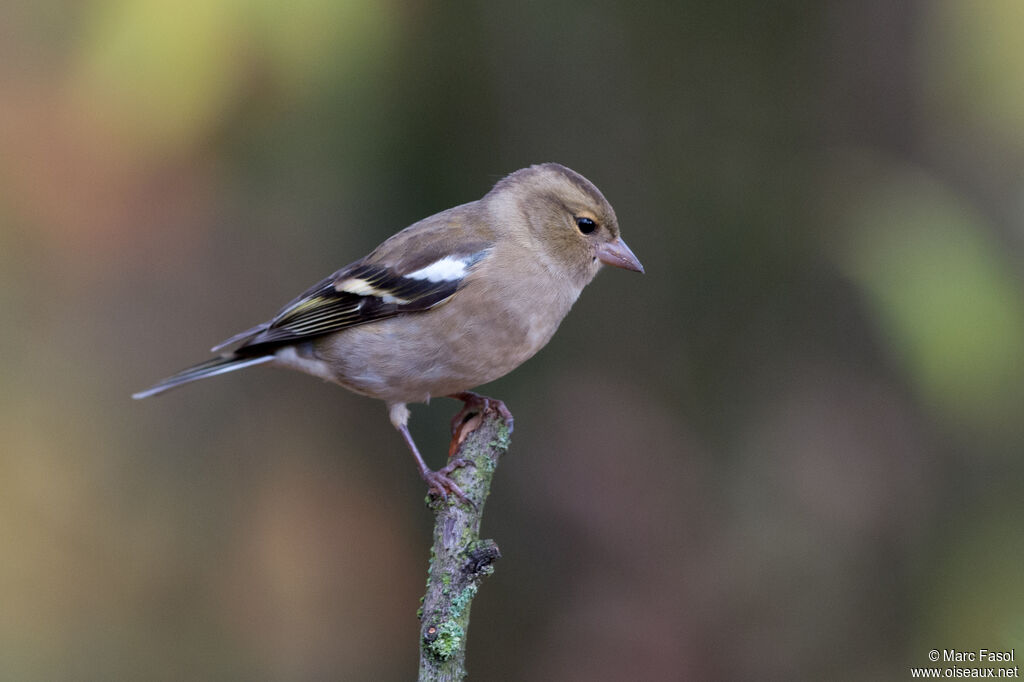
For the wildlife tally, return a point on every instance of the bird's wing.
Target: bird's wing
(367, 290)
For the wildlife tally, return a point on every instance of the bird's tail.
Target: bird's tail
(210, 368)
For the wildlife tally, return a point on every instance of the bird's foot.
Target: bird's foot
(474, 404)
(440, 483)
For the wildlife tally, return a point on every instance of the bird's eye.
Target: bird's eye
(586, 225)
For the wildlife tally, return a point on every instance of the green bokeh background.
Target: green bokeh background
(792, 450)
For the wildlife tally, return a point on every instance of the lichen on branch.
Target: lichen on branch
(459, 559)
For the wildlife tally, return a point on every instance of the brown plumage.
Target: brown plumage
(451, 302)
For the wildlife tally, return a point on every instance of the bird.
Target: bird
(447, 304)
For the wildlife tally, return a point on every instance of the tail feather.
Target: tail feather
(209, 368)
(239, 339)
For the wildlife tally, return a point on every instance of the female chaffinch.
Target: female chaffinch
(454, 301)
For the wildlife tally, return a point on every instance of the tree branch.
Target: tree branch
(459, 559)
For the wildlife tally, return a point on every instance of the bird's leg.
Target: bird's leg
(474, 404)
(438, 481)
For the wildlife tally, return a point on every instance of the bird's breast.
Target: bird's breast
(486, 330)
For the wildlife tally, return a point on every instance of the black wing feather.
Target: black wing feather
(324, 309)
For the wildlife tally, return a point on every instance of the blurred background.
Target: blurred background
(792, 450)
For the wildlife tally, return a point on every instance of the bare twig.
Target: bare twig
(459, 559)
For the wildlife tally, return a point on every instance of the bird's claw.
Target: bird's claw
(473, 404)
(440, 483)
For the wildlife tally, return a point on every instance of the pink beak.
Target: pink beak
(618, 255)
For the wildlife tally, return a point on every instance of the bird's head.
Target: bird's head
(567, 217)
